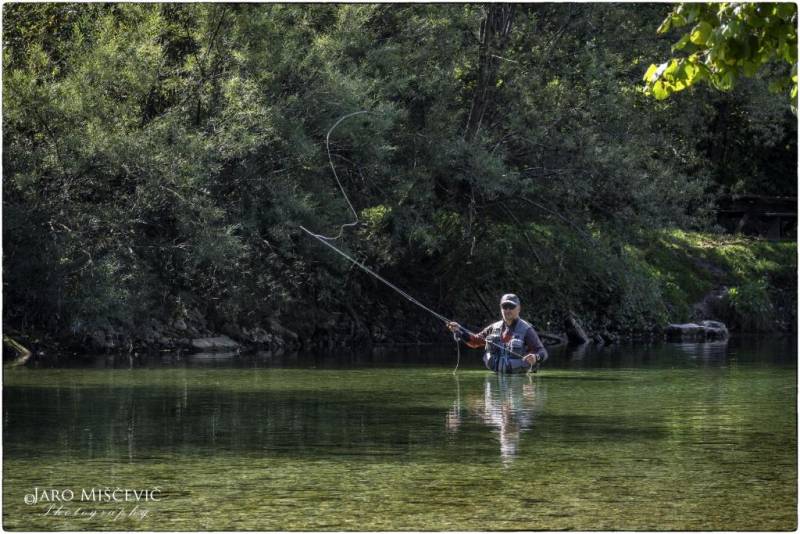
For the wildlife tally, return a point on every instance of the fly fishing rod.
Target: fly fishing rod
(403, 293)
(327, 242)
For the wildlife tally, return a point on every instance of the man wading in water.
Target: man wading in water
(506, 341)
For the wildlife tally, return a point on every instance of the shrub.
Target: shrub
(750, 306)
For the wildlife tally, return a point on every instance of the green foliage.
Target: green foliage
(729, 40)
(687, 265)
(751, 306)
(160, 157)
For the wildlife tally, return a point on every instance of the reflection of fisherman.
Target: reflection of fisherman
(509, 405)
(506, 341)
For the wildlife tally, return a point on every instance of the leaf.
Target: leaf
(680, 45)
(660, 91)
(668, 69)
(750, 68)
(648, 76)
(700, 33)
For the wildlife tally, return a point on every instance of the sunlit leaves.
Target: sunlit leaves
(726, 41)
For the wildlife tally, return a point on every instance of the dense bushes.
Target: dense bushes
(159, 159)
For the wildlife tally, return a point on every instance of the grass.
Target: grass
(688, 265)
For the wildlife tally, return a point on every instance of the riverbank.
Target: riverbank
(747, 283)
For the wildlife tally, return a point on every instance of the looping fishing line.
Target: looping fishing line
(336, 176)
(325, 240)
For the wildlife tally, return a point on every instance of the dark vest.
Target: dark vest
(515, 345)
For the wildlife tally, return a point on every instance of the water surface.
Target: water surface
(657, 437)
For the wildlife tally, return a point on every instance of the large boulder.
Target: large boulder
(705, 330)
(715, 329)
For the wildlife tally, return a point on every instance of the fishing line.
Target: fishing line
(336, 176)
(458, 351)
(410, 298)
(326, 240)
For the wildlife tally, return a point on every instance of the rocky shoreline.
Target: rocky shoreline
(324, 331)
(276, 339)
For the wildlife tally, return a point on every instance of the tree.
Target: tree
(729, 40)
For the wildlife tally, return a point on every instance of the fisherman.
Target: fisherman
(506, 341)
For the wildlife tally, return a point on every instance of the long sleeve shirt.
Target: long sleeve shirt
(533, 345)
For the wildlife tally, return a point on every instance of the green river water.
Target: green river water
(634, 437)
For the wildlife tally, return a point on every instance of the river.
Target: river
(632, 437)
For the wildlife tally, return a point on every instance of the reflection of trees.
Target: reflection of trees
(509, 405)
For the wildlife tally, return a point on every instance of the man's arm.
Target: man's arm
(535, 345)
(473, 341)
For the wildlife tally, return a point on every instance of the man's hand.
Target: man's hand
(453, 326)
(530, 359)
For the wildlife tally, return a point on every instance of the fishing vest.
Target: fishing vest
(516, 344)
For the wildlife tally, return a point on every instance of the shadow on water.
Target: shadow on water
(740, 349)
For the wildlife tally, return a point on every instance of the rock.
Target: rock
(697, 332)
(575, 332)
(221, 343)
(683, 331)
(715, 329)
(258, 335)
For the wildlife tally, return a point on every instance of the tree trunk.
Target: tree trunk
(495, 30)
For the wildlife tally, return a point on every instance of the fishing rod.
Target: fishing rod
(325, 241)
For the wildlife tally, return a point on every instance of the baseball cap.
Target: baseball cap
(510, 297)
